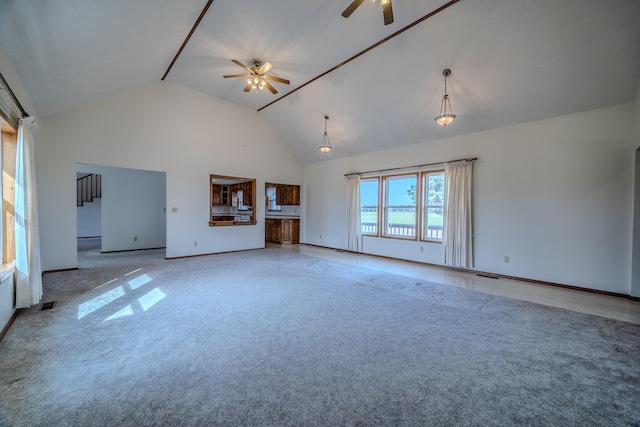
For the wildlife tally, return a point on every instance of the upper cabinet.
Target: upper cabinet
(285, 194)
(247, 193)
(296, 195)
(220, 195)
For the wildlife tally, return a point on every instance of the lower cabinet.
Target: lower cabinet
(272, 230)
(285, 231)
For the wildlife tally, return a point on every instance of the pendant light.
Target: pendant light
(325, 147)
(445, 117)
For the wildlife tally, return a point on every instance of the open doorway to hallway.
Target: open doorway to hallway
(130, 212)
(89, 204)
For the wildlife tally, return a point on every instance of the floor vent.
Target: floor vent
(47, 305)
(490, 276)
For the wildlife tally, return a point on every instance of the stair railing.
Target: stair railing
(89, 187)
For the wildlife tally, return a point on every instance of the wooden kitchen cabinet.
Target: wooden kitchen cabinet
(295, 231)
(281, 194)
(285, 231)
(271, 229)
(287, 194)
(248, 193)
(215, 195)
(220, 195)
(295, 195)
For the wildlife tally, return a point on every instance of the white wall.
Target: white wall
(134, 209)
(166, 128)
(554, 195)
(635, 267)
(635, 263)
(6, 302)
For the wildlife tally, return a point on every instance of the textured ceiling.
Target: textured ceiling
(513, 61)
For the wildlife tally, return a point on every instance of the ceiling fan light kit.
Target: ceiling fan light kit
(325, 147)
(256, 77)
(445, 118)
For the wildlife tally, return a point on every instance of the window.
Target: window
(432, 205)
(400, 206)
(271, 193)
(369, 197)
(8, 158)
(404, 203)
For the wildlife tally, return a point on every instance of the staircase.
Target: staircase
(88, 188)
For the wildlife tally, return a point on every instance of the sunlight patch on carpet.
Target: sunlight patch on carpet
(127, 311)
(151, 298)
(146, 301)
(100, 301)
(139, 281)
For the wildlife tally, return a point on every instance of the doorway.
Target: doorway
(130, 213)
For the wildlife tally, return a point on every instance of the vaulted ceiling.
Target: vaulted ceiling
(512, 61)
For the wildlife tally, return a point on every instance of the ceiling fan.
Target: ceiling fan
(387, 9)
(257, 79)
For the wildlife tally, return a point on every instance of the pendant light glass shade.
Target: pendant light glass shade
(446, 114)
(325, 147)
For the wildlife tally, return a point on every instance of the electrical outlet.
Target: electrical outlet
(421, 248)
(195, 243)
(321, 236)
(506, 259)
(135, 238)
(174, 210)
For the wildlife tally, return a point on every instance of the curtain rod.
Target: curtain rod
(470, 159)
(13, 96)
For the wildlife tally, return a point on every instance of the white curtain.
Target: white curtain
(458, 242)
(28, 269)
(354, 232)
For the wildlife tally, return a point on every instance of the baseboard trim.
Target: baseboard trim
(212, 253)
(59, 271)
(479, 272)
(9, 323)
(132, 250)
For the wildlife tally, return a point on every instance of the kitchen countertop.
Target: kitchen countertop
(281, 217)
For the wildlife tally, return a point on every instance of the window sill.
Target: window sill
(431, 241)
(406, 238)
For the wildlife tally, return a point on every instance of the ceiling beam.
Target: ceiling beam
(373, 46)
(193, 29)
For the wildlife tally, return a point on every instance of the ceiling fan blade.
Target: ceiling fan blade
(236, 75)
(271, 88)
(264, 68)
(241, 65)
(387, 11)
(277, 79)
(351, 8)
(247, 88)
